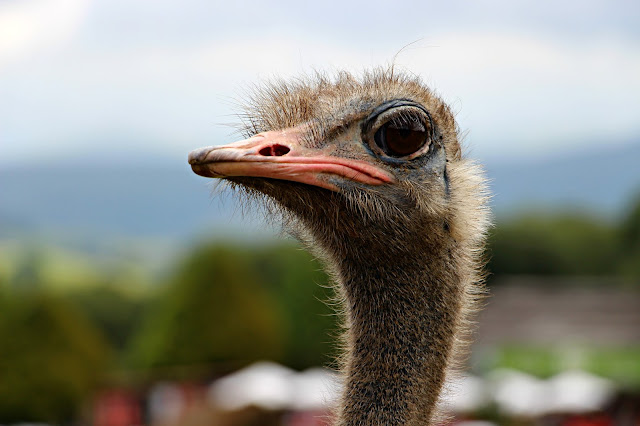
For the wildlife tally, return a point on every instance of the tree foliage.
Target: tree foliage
(111, 310)
(567, 245)
(553, 245)
(304, 296)
(215, 309)
(51, 358)
(629, 235)
(227, 304)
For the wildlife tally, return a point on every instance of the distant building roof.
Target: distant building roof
(593, 311)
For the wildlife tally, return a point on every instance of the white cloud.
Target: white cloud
(517, 93)
(523, 94)
(28, 26)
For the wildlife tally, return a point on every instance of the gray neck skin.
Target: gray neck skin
(402, 282)
(400, 335)
(402, 305)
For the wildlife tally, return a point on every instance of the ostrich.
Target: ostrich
(367, 172)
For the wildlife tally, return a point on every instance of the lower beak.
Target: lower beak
(279, 155)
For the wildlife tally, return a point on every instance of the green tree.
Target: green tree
(215, 309)
(553, 245)
(629, 236)
(113, 312)
(51, 358)
(300, 286)
(231, 305)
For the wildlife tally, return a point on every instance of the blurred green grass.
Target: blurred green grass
(619, 364)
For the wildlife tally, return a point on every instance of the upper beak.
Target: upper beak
(279, 155)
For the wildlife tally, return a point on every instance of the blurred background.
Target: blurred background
(132, 293)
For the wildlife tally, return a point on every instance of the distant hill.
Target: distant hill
(603, 182)
(162, 198)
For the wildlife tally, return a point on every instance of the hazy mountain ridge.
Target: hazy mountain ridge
(164, 198)
(603, 182)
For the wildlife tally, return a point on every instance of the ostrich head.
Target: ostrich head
(373, 151)
(370, 170)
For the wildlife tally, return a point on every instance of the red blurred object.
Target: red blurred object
(117, 408)
(588, 420)
(308, 418)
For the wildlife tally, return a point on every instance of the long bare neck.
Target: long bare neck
(403, 311)
(409, 285)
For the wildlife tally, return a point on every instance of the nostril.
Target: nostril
(274, 150)
(266, 151)
(279, 150)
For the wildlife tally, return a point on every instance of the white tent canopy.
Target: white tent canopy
(274, 387)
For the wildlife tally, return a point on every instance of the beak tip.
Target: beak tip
(197, 156)
(204, 171)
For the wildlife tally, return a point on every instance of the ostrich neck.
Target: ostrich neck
(402, 312)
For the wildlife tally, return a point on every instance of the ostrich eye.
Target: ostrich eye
(402, 136)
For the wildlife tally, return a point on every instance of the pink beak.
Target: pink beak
(279, 155)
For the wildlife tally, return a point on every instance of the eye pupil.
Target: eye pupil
(400, 140)
(404, 133)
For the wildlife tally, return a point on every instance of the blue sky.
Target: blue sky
(123, 78)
